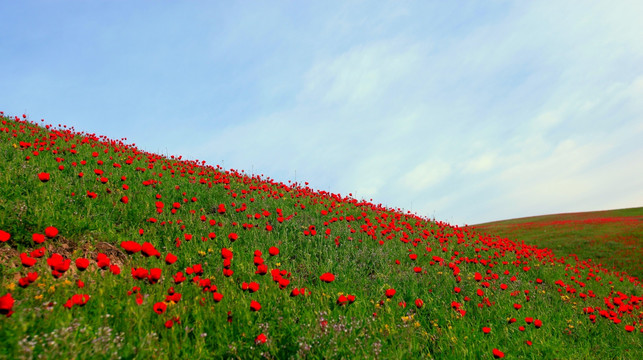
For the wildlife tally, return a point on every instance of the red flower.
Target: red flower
(82, 263)
(253, 287)
(342, 300)
(169, 324)
(629, 328)
(38, 238)
(419, 303)
(44, 177)
(517, 306)
(273, 251)
(486, 330)
(115, 269)
(6, 304)
(538, 323)
(26, 260)
(498, 354)
(217, 296)
(389, 293)
(38, 253)
(154, 276)
(131, 247)
(226, 254)
(51, 232)
(149, 250)
(327, 277)
(160, 307)
(170, 258)
(261, 339)
(102, 261)
(4, 236)
(233, 236)
(255, 306)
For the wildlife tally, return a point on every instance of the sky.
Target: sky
(464, 112)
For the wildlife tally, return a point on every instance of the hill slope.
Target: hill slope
(109, 251)
(612, 237)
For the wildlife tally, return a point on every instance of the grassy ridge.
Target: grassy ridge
(613, 238)
(108, 251)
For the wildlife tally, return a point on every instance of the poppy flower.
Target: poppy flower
(273, 251)
(342, 300)
(102, 261)
(253, 287)
(169, 324)
(4, 236)
(486, 330)
(38, 253)
(629, 328)
(261, 339)
(38, 238)
(217, 297)
(179, 278)
(538, 323)
(149, 250)
(226, 253)
(26, 260)
(255, 306)
(170, 258)
(262, 269)
(44, 177)
(6, 304)
(160, 307)
(139, 273)
(419, 303)
(131, 247)
(517, 306)
(389, 293)
(498, 354)
(154, 275)
(82, 263)
(327, 277)
(51, 232)
(233, 237)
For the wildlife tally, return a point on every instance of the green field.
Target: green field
(108, 251)
(613, 238)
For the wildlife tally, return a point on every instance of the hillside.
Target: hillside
(109, 251)
(613, 238)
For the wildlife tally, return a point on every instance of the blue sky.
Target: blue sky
(463, 111)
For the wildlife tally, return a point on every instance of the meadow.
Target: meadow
(108, 251)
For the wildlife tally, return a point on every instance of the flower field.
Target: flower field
(612, 237)
(108, 251)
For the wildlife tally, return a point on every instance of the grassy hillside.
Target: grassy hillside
(613, 238)
(108, 251)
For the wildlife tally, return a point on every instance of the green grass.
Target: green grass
(613, 238)
(367, 248)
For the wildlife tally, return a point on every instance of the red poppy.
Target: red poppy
(44, 177)
(26, 260)
(217, 297)
(51, 232)
(517, 306)
(82, 263)
(149, 250)
(255, 306)
(538, 323)
(38, 253)
(170, 258)
(253, 287)
(342, 300)
(629, 328)
(38, 238)
(4, 236)
(486, 330)
(233, 237)
(273, 251)
(154, 276)
(261, 339)
(327, 277)
(226, 253)
(389, 293)
(498, 354)
(6, 304)
(169, 324)
(160, 307)
(131, 247)
(102, 261)
(419, 303)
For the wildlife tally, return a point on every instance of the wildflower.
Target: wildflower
(327, 277)
(44, 177)
(4, 236)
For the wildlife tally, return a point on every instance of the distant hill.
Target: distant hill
(611, 237)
